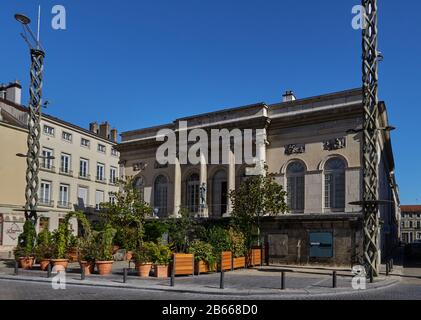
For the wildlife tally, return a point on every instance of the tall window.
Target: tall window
(139, 184)
(84, 168)
(47, 162)
(99, 199)
(64, 196)
(65, 163)
(102, 148)
(113, 175)
(45, 193)
(66, 136)
(193, 190)
(161, 196)
(100, 172)
(295, 186)
(335, 184)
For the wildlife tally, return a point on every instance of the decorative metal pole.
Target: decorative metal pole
(370, 102)
(34, 118)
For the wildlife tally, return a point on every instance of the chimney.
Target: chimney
(289, 96)
(104, 130)
(114, 134)
(93, 127)
(14, 92)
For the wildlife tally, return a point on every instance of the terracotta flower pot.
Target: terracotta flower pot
(88, 266)
(161, 271)
(73, 254)
(60, 263)
(144, 269)
(44, 263)
(129, 255)
(104, 267)
(26, 263)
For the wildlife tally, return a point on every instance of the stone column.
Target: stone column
(177, 187)
(204, 182)
(261, 142)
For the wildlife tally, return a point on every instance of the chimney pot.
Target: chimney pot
(114, 134)
(104, 130)
(93, 127)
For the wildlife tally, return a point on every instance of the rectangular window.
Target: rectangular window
(46, 160)
(85, 143)
(114, 152)
(102, 148)
(66, 136)
(64, 196)
(100, 172)
(82, 197)
(112, 198)
(418, 235)
(84, 168)
(65, 163)
(99, 199)
(406, 224)
(113, 175)
(49, 130)
(295, 185)
(45, 193)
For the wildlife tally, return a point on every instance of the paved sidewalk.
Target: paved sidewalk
(265, 281)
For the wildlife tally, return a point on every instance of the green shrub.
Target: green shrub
(162, 255)
(59, 243)
(154, 231)
(219, 239)
(43, 248)
(26, 241)
(104, 244)
(203, 252)
(146, 253)
(238, 243)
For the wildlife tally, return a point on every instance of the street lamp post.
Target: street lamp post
(34, 118)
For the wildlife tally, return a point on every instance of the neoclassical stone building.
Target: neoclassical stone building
(313, 145)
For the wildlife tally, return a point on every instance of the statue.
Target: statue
(203, 196)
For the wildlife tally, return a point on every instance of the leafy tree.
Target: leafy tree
(127, 214)
(256, 197)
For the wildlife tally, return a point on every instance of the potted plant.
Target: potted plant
(144, 258)
(161, 259)
(73, 251)
(104, 250)
(203, 255)
(238, 248)
(59, 256)
(43, 250)
(129, 242)
(87, 250)
(24, 252)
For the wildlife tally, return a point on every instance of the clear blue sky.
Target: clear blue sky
(142, 63)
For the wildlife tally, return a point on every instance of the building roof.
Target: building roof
(411, 208)
(60, 121)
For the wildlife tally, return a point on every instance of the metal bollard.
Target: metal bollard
(172, 283)
(82, 273)
(387, 269)
(335, 280)
(283, 280)
(392, 264)
(371, 276)
(16, 268)
(49, 271)
(125, 275)
(222, 280)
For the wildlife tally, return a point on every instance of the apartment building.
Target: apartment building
(79, 168)
(411, 223)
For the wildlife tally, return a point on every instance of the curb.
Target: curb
(289, 293)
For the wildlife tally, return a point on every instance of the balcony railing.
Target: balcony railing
(67, 172)
(113, 181)
(64, 205)
(84, 176)
(101, 179)
(47, 167)
(46, 203)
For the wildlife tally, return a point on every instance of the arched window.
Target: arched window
(161, 196)
(139, 185)
(193, 193)
(219, 194)
(295, 186)
(335, 184)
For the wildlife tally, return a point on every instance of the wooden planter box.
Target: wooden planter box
(255, 257)
(183, 264)
(239, 263)
(226, 261)
(203, 267)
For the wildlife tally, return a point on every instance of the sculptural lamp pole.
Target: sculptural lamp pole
(34, 118)
(370, 135)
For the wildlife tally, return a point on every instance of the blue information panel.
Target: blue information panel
(321, 245)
